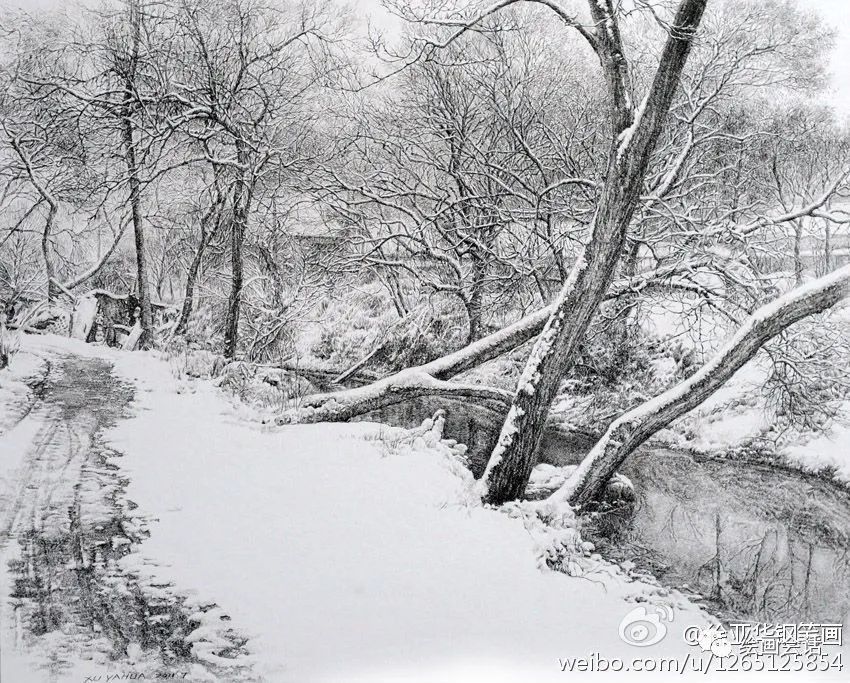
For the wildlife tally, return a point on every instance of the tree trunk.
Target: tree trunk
(827, 246)
(630, 430)
(391, 282)
(53, 289)
(214, 216)
(475, 302)
(238, 227)
(629, 301)
(189, 295)
(798, 259)
(633, 140)
(234, 300)
(146, 319)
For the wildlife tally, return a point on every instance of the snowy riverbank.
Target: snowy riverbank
(347, 552)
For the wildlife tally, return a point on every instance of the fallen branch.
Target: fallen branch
(359, 400)
(349, 372)
(403, 386)
(326, 376)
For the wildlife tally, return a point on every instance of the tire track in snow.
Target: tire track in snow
(69, 538)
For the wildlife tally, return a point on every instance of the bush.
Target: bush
(263, 386)
(807, 383)
(615, 352)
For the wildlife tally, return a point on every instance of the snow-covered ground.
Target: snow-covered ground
(828, 450)
(737, 412)
(353, 552)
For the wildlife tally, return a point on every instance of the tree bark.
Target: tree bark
(798, 258)
(207, 237)
(189, 292)
(633, 428)
(234, 300)
(241, 206)
(129, 72)
(53, 289)
(633, 140)
(475, 302)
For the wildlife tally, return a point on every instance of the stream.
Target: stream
(751, 542)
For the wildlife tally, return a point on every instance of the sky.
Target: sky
(836, 13)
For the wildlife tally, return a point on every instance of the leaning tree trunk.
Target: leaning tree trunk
(630, 430)
(633, 140)
(189, 292)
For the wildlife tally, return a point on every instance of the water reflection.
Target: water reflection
(761, 544)
(758, 543)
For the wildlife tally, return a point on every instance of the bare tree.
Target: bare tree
(634, 133)
(241, 87)
(126, 65)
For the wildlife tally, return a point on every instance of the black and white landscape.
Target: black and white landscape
(428, 340)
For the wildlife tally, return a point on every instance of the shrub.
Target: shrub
(807, 383)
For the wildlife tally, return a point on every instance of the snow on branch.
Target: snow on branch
(633, 428)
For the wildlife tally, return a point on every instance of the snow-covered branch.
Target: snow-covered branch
(633, 428)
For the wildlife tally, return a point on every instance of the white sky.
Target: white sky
(836, 13)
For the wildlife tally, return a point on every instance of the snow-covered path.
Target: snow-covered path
(339, 555)
(69, 535)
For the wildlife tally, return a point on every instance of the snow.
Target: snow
(830, 449)
(15, 399)
(732, 414)
(624, 139)
(357, 552)
(83, 316)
